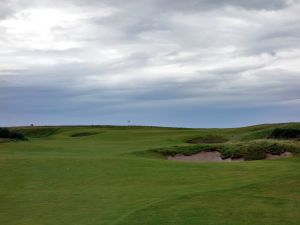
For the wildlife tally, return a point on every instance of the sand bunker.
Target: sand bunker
(213, 156)
(282, 155)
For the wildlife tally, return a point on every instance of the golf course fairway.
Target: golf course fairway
(105, 175)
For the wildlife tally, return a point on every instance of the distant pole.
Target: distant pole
(128, 122)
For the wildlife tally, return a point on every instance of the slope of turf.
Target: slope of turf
(102, 179)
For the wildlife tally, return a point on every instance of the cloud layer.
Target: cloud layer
(160, 62)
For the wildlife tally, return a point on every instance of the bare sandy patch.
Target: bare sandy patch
(282, 155)
(213, 156)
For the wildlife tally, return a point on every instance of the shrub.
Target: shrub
(254, 151)
(231, 151)
(186, 149)
(285, 133)
(5, 133)
(15, 135)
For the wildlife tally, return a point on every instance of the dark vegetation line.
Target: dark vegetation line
(210, 139)
(7, 134)
(289, 133)
(36, 132)
(83, 134)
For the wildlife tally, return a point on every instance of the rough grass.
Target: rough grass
(62, 180)
(261, 134)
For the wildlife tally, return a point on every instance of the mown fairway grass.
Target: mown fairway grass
(104, 178)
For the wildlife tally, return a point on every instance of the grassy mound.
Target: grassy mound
(208, 139)
(253, 150)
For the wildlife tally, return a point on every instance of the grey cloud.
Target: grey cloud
(5, 10)
(151, 55)
(207, 4)
(192, 5)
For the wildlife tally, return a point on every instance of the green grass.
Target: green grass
(83, 134)
(208, 139)
(110, 178)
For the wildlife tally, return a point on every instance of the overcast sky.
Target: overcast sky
(192, 63)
